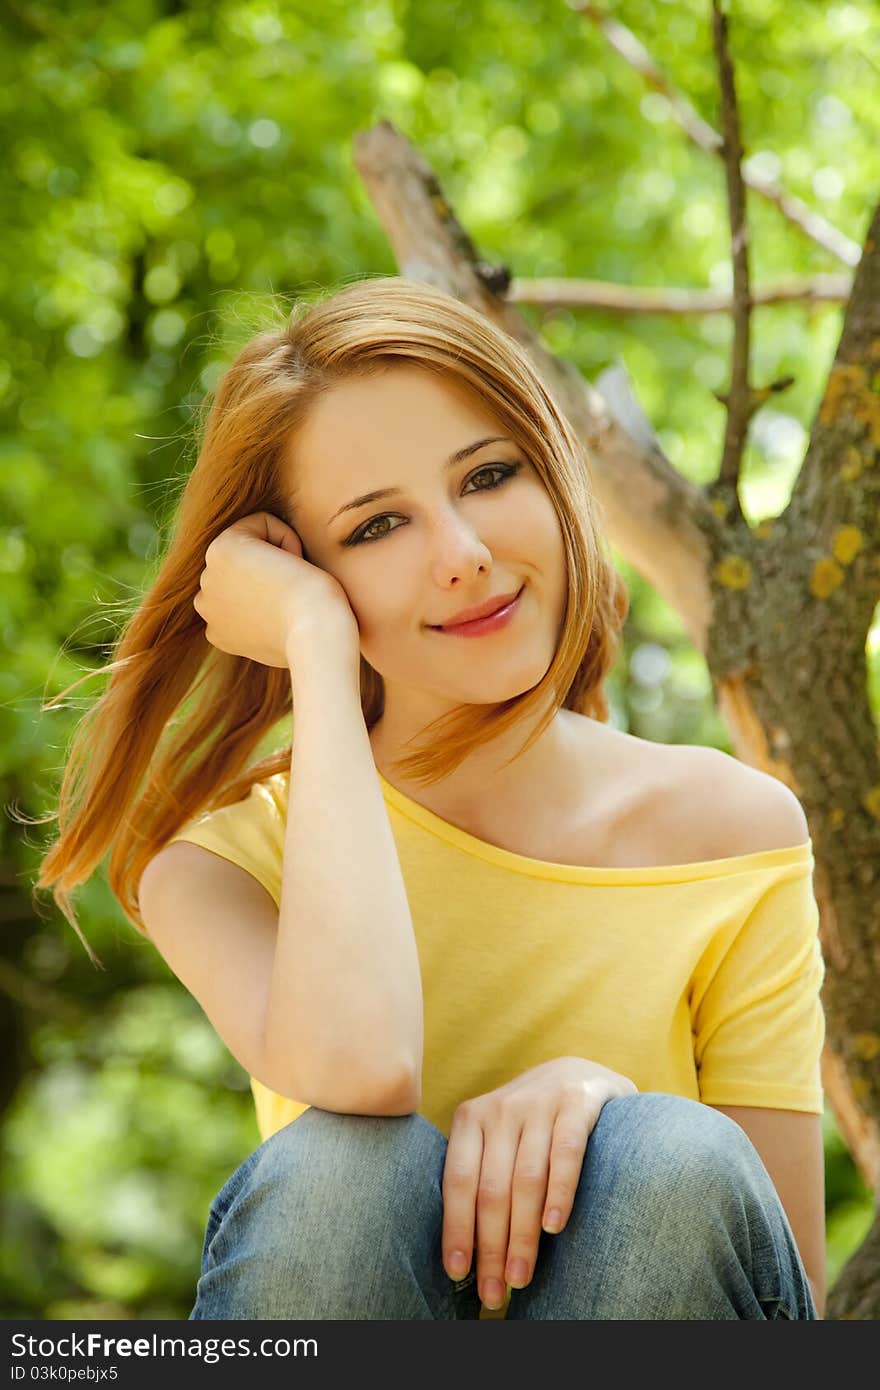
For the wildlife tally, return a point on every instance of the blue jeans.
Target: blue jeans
(340, 1216)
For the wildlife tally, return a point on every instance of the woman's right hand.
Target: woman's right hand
(257, 593)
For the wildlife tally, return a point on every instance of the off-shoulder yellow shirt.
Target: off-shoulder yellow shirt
(699, 979)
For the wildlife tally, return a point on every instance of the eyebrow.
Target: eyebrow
(395, 491)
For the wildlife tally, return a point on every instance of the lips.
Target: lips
(483, 610)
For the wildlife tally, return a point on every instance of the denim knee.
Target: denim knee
(685, 1162)
(329, 1217)
(333, 1179)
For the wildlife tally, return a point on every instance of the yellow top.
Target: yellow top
(698, 979)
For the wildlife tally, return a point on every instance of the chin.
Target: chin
(504, 686)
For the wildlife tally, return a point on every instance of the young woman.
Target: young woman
(530, 1007)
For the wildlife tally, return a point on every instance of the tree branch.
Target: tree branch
(550, 293)
(739, 401)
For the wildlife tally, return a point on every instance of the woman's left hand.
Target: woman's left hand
(514, 1155)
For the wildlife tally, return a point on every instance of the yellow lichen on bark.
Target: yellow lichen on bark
(847, 544)
(733, 572)
(845, 381)
(866, 1046)
(849, 391)
(827, 576)
(871, 801)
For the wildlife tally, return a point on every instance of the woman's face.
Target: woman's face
(446, 537)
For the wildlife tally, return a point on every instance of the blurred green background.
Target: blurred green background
(168, 169)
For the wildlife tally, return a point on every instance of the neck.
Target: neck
(481, 783)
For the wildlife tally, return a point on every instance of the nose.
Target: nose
(458, 552)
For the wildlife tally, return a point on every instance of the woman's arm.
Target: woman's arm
(789, 1142)
(345, 998)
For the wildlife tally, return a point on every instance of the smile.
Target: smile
(480, 627)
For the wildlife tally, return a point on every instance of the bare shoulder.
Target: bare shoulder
(665, 803)
(746, 810)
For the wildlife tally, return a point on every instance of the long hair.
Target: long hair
(177, 726)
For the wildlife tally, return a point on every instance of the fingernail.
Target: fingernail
(493, 1294)
(457, 1264)
(554, 1221)
(517, 1273)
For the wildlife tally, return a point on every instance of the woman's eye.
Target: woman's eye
(506, 470)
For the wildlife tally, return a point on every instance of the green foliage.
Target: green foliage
(849, 1208)
(117, 1146)
(168, 170)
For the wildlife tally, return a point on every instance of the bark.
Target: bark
(780, 612)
